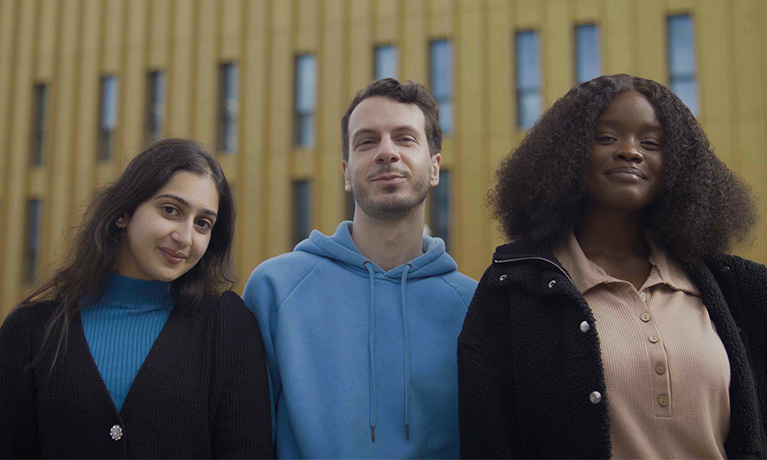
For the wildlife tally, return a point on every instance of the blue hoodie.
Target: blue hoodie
(362, 361)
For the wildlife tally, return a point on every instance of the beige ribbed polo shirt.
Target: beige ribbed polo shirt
(666, 371)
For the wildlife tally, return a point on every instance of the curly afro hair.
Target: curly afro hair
(539, 194)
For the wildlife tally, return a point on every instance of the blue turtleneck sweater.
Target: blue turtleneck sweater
(122, 327)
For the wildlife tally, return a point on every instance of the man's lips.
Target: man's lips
(626, 171)
(172, 256)
(387, 177)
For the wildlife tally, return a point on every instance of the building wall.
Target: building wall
(70, 44)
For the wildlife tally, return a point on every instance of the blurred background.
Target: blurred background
(85, 84)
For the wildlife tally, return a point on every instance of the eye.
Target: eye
(651, 144)
(604, 139)
(365, 143)
(169, 210)
(204, 224)
(407, 139)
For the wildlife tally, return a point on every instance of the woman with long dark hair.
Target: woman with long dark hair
(131, 348)
(615, 325)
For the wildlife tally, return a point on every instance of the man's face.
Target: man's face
(390, 169)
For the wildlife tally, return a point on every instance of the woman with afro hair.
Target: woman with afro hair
(615, 324)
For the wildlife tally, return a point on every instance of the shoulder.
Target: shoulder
(31, 314)
(462, 285)
(285, 269)
(744, 269)
(227, 311)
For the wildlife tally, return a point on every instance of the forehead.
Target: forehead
(198, 191)
(630, 107)
(380, 113)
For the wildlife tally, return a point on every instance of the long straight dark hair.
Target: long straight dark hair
(81, 278)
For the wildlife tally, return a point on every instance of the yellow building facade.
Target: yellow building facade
(60, 59)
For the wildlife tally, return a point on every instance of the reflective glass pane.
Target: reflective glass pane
(442, 69)
(687, 92)
(528, 71)
(681, 45)
(587, 54)
(386, 62)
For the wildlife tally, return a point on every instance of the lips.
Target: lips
(626, 171)
(172, 256)
(387, 177)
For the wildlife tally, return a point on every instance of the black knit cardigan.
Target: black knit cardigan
(202, 391)
(526, 369)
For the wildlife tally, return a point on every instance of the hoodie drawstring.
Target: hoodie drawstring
(406, 349)
(371, 347)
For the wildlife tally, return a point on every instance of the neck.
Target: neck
(611, 233)
(389, 243)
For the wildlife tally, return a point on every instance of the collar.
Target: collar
(586, 274)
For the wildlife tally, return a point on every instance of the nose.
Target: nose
(387, 151)
(628, 150)
(182, 234)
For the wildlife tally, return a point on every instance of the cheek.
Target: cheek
(201, 246)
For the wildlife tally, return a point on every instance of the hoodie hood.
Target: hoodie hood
(341, 247)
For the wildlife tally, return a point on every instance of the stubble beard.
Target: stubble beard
(389, 206)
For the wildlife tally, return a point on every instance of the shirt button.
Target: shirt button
(660, 368)
(503, 277)
(655, 338)
(116, 432)
(663, 400)
(552, 283)
(645, 317)
(643, 296)
(595, 397)
(585, 326)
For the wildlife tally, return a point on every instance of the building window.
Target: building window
(302, 205)
(386, 62)
(441, 52)
(228, 106)
(108, 119)
(155, 106)
(528, 79)
(440, 206)
(32, 243)
(306, 100)
(39, 124)
(681, 60)
(588, 63)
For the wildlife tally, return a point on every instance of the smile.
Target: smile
(388, 178)
(172, 256)
(626, 172)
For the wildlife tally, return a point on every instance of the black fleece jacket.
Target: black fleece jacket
(526, 369)
(201, 393)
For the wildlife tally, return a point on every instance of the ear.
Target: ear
(347, 180)
(122, 221)
(436, 160)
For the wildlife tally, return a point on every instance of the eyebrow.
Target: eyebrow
(363, 131)
(617, 123)
(185, 203)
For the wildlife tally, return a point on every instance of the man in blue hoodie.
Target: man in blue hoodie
(360, 328)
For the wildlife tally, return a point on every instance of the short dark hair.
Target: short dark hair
(406, 93)
(539, 192)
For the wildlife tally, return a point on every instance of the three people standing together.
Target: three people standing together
(613, 324)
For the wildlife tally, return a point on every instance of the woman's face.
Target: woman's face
(168, 234)
(626, 169)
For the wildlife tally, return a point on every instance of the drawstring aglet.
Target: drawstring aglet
(373, 433)
(407, 431)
